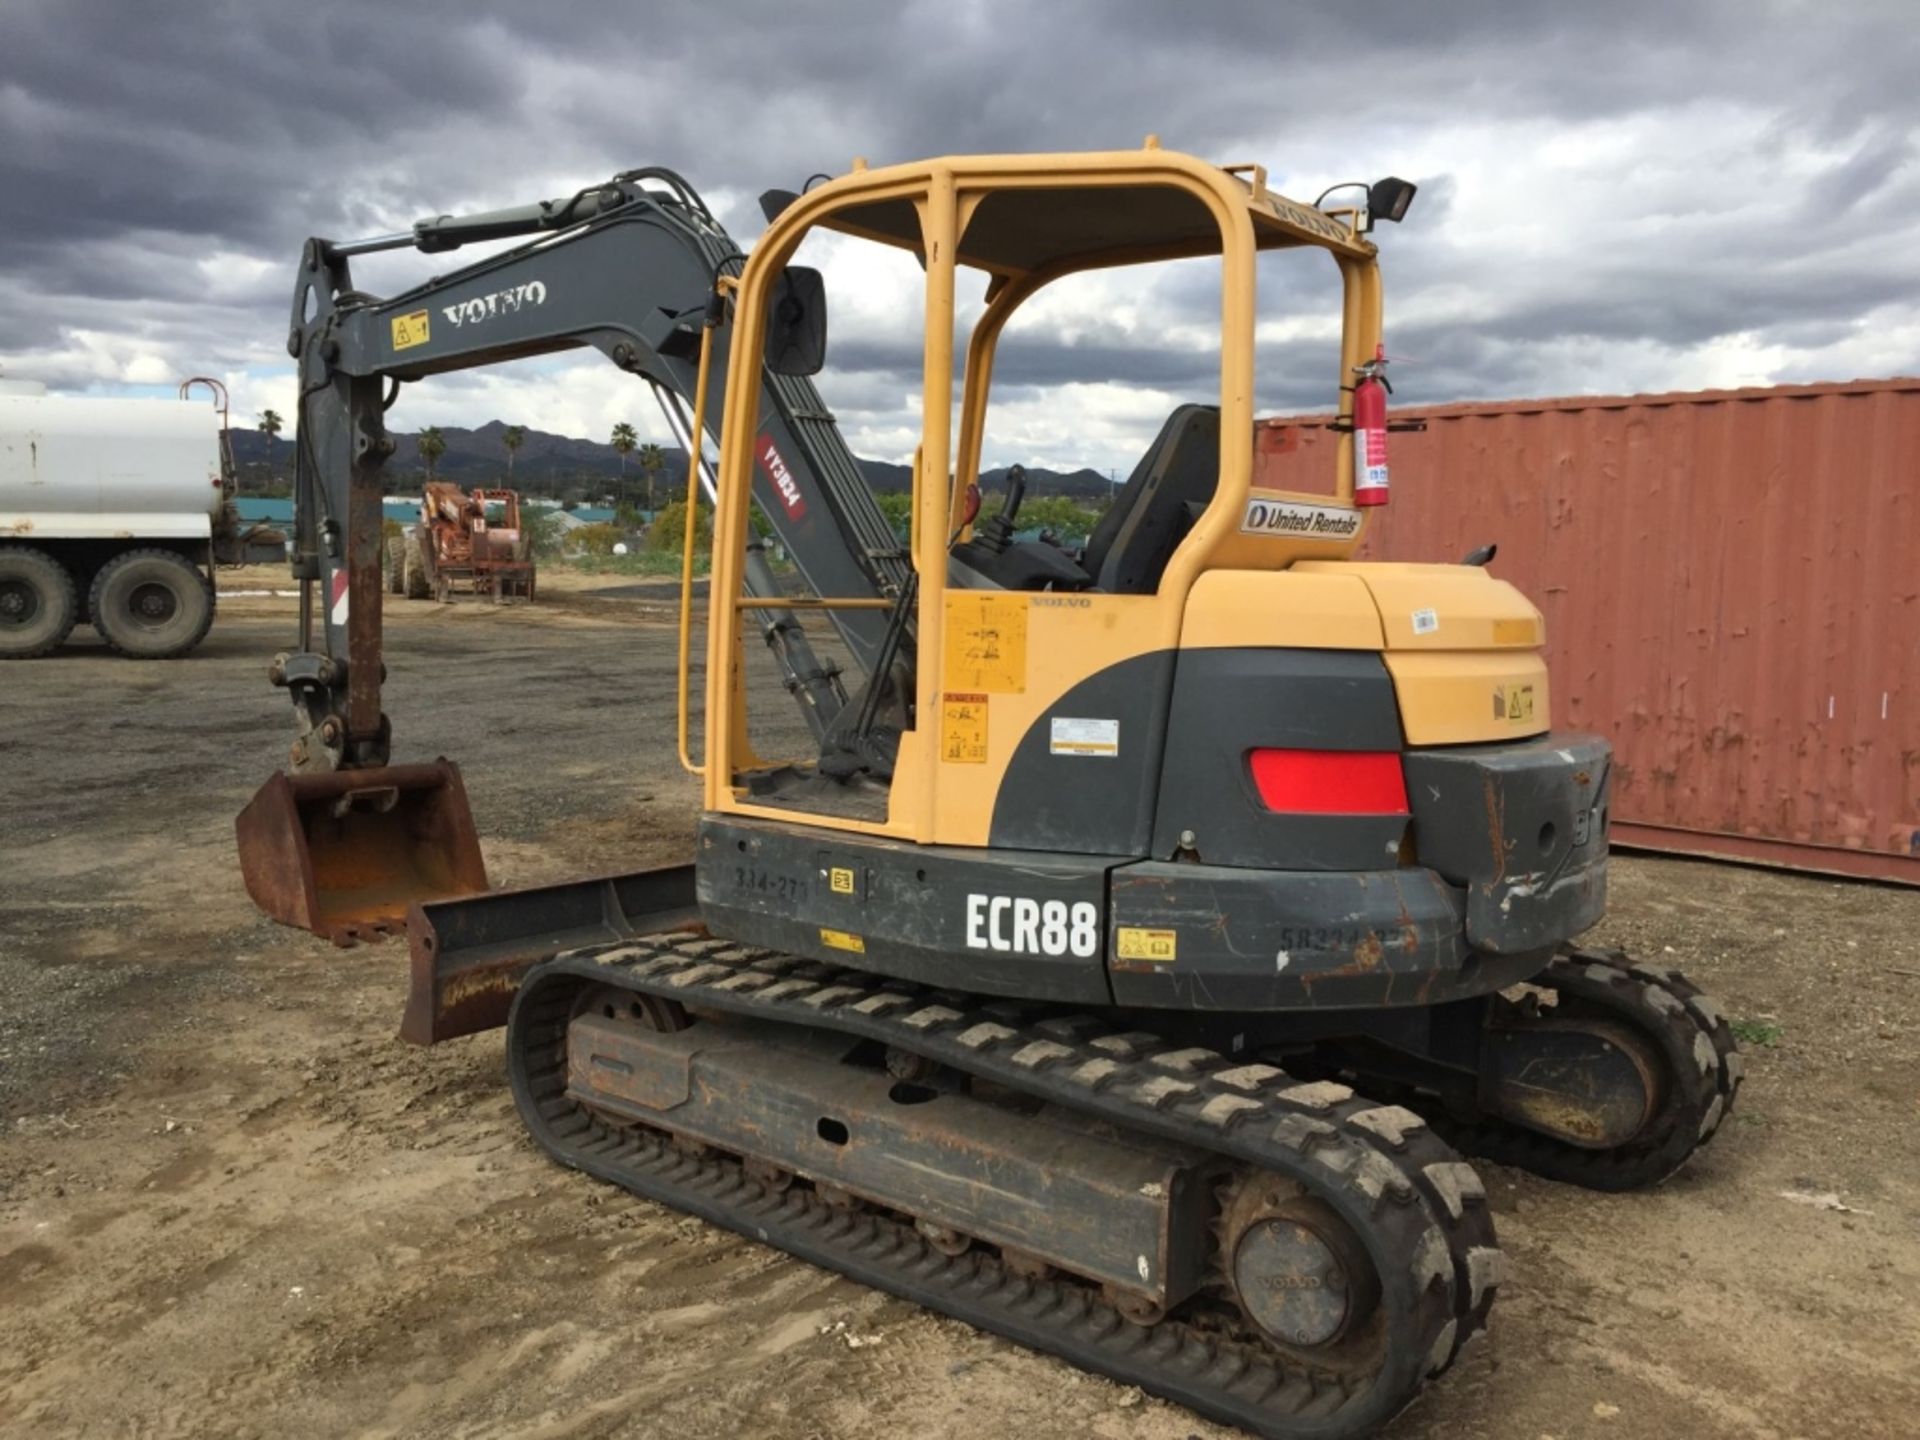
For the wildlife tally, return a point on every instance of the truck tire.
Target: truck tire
(151, 604)
(37, 602)
(395, 554)
(419, 586)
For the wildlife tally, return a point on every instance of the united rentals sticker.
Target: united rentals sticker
(1290, 517)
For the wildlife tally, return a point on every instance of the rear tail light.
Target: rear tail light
(1330, 782)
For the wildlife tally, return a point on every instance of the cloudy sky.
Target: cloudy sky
(1614, 196)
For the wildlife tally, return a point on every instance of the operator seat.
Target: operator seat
(1168, 490)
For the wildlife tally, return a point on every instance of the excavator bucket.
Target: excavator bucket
(344, 852)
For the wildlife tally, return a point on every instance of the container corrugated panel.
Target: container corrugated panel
(1731, 585)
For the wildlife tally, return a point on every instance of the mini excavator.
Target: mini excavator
(1150, 930)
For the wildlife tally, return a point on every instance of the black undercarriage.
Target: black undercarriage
(1239, 1231)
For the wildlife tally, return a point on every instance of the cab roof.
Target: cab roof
(1080, 211)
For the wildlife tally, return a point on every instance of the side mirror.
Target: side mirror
(797, 322)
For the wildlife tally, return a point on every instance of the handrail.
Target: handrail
(722, 284)
(813, 602)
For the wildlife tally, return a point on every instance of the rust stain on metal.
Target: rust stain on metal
(478, 986)
(1367, 956)
(1496, 829)
(1731, 584)
(344, 852)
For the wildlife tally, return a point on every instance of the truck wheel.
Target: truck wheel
(37, 602)
(419, 587)
(151, 604)
(395, 548)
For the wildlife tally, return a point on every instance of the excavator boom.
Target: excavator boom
(627, 268)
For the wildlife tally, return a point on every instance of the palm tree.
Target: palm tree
(624, 441)
(270, 425)
(513, 437)
(432, 445)
(652, 461)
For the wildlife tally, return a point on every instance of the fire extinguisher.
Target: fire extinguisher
(1370, 430)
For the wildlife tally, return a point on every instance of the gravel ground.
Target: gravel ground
(231, 1203)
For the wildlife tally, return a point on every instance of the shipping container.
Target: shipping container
(1731, 585)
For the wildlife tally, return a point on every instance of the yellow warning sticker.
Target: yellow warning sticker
(986, 642)
(1513, 703)
(963, 729)
(410, 330)
(1516, 632)
(840, 880)
(842, 940)
(1159, 947)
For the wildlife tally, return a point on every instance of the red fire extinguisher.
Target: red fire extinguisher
(1370, 430)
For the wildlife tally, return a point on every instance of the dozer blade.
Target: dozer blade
(467, 955)
(344, 852)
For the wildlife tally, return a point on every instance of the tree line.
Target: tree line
(431, 446)
(1067, 518)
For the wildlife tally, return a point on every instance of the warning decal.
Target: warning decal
(410, 330)
(1156, 947)
(337, 589)
(986, 642)
(774, 466)
(963, 729)
(1513, 702)
(1073, 736)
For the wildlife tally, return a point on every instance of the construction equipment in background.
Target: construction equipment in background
(467, 540)
(114, 513)
(1149, 928)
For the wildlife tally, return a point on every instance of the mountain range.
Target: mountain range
(567, 468)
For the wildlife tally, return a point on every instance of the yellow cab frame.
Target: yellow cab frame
(1064, 214)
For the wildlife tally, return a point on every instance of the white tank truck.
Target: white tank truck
(114, 512)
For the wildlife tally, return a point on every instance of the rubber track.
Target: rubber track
(1700, 1051)
(1422, 1209)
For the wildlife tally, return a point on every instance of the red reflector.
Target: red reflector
(1330, 782)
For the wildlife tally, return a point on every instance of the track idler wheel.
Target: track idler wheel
(1591, 1082)
(1615, 1084)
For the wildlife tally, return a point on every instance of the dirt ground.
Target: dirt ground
(232, 1203)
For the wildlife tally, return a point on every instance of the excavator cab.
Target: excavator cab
(992, 634)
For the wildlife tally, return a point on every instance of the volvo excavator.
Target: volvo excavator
(1148, 933)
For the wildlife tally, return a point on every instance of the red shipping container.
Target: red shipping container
(1731, 585)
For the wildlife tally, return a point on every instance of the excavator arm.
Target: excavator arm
(629, 268)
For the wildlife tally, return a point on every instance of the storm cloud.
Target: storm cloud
(1615, 197)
